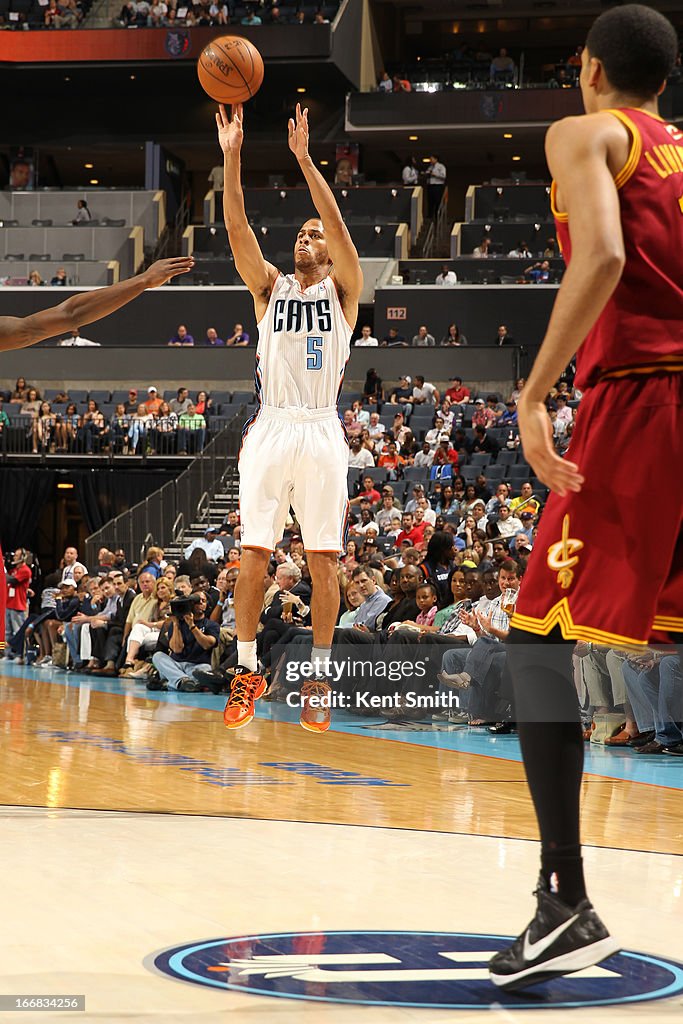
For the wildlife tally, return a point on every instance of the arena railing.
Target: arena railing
(161, 518)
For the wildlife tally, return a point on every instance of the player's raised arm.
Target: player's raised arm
(86, 307)
(577, 149)
(347, 271)
(255, 271)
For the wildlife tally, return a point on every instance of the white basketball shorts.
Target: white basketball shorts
(296, 457)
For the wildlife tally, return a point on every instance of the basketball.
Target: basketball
(230, 69)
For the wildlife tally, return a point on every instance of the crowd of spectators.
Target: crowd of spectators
(237, 338)
(137, 424)
(450, 337)
(432, 575)
(218, 13)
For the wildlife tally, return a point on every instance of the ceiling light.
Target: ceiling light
(324, 163)
(88, 167)
(412, 138)
(301, 89)
(94, 181)
(425, 159)
(516, 158)
(507, 135)
(132, 78)
(66, 78)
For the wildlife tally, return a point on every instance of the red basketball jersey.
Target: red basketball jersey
(641, 326)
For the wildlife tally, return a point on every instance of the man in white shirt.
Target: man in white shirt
(75, 339)
(359, 457)
(366, 339)
(375, 428)
(565, 414)
(425, 393)
(425, 457)
(447, 278)
(436, 184)
(508, 525)
(209, 543)
(521, 250)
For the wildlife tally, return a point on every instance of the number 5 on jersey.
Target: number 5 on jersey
(314, 353)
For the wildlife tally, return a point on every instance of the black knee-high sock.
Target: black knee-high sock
(549, 726)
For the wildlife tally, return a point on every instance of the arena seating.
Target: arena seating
(506, 199)
(79, 271)
(470, 270)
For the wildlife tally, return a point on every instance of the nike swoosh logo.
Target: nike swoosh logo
(532, 950)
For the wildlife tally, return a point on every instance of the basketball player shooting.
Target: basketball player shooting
(74, 313)
(617, 197)
(294, 449)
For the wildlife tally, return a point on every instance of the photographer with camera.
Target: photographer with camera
(191, 638)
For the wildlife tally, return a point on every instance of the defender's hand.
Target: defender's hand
(298, 133)
(163, 270)
(230, 131)
(536, 432)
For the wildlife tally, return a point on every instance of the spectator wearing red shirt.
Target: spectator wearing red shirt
(369, 493)
(458, 393)
(483, 416)
(18, 582)
(444, 454)
(410, 531)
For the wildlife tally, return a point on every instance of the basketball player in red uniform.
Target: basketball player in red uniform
(75, 312)
(594, 575)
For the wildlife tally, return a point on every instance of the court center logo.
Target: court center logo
(445, 970)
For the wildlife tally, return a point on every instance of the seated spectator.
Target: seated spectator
(509, 417)
(158, 12)
(391, 460)
(434, 434)
(539, 273)
(453, 338)
(444, 454)
(107, 640)
(425, 393)
(181, 402)
(210, 544)
(359, 457)
(508, 524)
(191, 639)
(31, 405)
(384, 83)
(360, 415)
(496, 407)
(119, 425)
(522, 251)
(251, 18)
(351, 425)
(368, 493)
(143, 608)
(375, 599)
(162, 433)
(212, 338)
(458, 393)
(83, 214)
(18, 396)
(392, 339)
(525, 502)
(501, 497)
(76, 340)
(502, 67)
(447, 277)
(181, 337)
(484, 442)
(565, 413)
(517, 390)
(366, 339)
(49, 433)
(401, 84)
(239, 337)
(133, 401)
(402, 394)
(425, 457)
(373, 392)
(60, 279)
(153, 402)
(191, 431)
(482, 250)
(140, 423)
(550, 251)
(423, 339)
(410, 530)
(655, 690)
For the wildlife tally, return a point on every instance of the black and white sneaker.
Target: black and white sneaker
(559, 940)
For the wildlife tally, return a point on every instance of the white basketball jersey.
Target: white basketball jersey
(303, 347)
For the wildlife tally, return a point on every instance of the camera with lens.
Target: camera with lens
(184, 604)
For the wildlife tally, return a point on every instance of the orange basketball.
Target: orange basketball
(230, 69)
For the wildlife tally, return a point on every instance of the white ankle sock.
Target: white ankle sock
(246, 655)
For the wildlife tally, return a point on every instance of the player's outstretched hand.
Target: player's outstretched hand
(230, 129)
(536, 433)
(163, 270)
(297, 132)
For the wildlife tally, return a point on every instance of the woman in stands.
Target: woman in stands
(163, 432)
(373, 392)
(35, 280)
(20, 389)
(453, 337)
(45, 428)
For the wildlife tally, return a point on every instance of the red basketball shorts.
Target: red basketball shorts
(607, 563)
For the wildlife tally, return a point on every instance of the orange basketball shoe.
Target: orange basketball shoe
(315, 715)
(246, 688)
